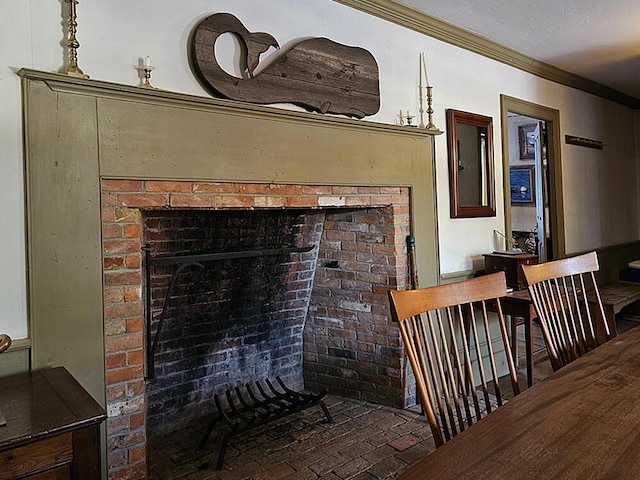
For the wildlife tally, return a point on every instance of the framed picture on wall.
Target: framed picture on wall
(522, 185)
(527, 141)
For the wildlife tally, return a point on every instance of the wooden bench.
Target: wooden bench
(615, 297)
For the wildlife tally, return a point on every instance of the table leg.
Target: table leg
(528, 335)
(515, 307)
(514, 339)
(528, 341)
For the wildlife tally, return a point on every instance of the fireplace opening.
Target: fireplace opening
(317, 318)
(269, 311)
(226, 321)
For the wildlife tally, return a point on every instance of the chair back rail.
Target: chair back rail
(451, 346)
(559, 291)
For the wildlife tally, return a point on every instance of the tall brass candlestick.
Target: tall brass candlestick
(73, 69)
(430, 125)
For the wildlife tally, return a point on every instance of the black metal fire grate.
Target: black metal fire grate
(251, 409)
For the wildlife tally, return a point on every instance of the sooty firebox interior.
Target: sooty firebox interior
(227, 295)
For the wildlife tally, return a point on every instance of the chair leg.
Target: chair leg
(514, 339)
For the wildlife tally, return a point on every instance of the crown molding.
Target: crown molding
(421, 22)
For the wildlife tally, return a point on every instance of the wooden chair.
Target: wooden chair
(560, 291)
(445, 330)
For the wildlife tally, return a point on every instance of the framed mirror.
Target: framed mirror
(471, 173)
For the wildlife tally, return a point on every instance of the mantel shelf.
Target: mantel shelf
(65, 83)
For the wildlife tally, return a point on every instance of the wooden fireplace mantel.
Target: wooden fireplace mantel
(81, 131)
(97, 88)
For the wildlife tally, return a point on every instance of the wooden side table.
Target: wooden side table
(516, 304)
(519, 304)
(510, 265)
(52, 430)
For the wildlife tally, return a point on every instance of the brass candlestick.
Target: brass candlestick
(430, 125)
(72, 44)
(421, 110)
(410, 118)
(146, 76)
(145, 70)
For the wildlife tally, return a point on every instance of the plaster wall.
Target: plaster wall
(599, 185)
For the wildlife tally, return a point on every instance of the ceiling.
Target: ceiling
(595, 39)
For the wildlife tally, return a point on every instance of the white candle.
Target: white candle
(147, 61)
(424, 67)
(420, 67)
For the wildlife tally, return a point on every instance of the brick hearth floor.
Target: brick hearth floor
(365, 442)
(364, 437)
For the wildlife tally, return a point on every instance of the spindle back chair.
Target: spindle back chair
(561, 291)
(456, 350)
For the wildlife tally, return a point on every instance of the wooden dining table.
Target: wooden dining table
(582, 422)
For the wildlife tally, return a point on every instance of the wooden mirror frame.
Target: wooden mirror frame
(459, 209)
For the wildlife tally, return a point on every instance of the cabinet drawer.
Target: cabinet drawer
(510, 265)
(36, 456)
(57, 473)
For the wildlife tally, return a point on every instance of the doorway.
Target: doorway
(532, 179)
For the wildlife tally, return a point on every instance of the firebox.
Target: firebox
(227, 294)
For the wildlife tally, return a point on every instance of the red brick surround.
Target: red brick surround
(122, 202)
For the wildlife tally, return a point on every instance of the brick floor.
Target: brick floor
(365, 442)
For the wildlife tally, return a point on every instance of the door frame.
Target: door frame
(552, 118)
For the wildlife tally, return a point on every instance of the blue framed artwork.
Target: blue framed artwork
(527, 141)
(521, 182)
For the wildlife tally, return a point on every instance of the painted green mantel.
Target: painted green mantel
(79, 131)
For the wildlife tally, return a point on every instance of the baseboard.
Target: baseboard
(17, 359)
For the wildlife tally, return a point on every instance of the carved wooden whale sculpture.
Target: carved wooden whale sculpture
(318, 74)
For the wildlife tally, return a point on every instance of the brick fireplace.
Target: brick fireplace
(350, 347)
(100, 156)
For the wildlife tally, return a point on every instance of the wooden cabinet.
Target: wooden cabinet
(510, 265)
(52, 430)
